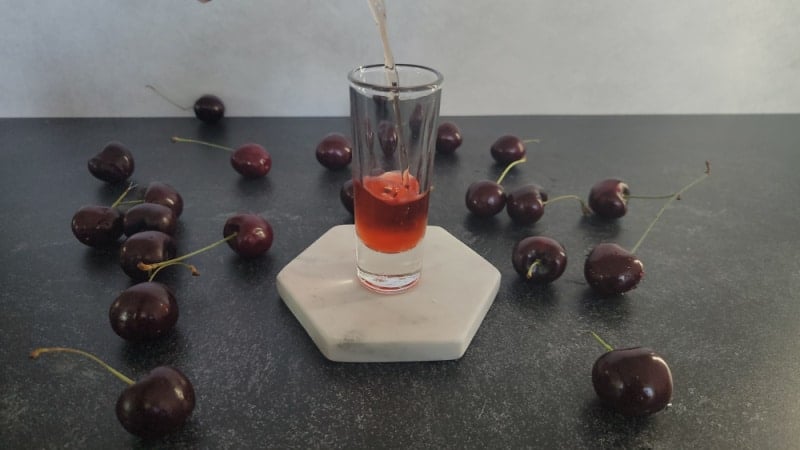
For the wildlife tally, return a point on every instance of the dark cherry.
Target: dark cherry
(144, 311)
(166, 195)
(346, 196)
(149, 216)
(539, 259)
(632, 381)
(254, 234)
(507, 149)
(485, 198)
(387, 137)
(97, 226)
(334, 151)
(146, 247)
(610, 269)
(113, 164)
(448, 138)
(156, 405)
(251, 160)
(209, 108)
(608, 198)
(525, 205)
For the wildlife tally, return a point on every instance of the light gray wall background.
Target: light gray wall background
(290, 57)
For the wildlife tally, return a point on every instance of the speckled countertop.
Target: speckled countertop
(719, 299)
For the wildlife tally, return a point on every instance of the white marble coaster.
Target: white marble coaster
(434, 320)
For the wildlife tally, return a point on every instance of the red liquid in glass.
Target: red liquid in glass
(389, 216)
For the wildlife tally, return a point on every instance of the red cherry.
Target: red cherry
(486, 198)
(539, 259)
(611, 270)
(334, 151)
(609, 198)
(507, 149)
(209, 109)
(97, 226)
(147, 247)
(149, 216)
(525, 204)
(144, 311)
(156, 405)
(254, 234)
(632, 381)
(251, 160)
(114, 163)
(166, 195)
(448, 138)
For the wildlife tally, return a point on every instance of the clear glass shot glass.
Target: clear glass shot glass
(394, 137)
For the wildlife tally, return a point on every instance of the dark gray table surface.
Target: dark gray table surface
(719, 300)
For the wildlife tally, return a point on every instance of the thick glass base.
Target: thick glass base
(388, 273)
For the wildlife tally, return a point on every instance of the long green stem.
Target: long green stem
(650, 197)
(192, 268)
(584, 209)
(528, 141)
(508, 168)
(36, 353)
(169, 100)
(169, 262)
(175, 139)
(677, 196)
(602, 342)
(122, 196)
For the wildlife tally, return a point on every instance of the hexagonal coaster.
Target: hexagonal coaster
(434, 320)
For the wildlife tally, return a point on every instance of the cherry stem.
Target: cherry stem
(532, 268)
(650, 197)
(36, 353)
(193, 141)
(119, 199)
(169, 100)
(584, 209)
(156, 266)
(675, 196)
(529, 141)
(508, 168)
(602, 342)
(193, 269)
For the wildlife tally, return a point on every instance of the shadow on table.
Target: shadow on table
(608, 311)
(600, 229)
(608, 429)
(252, 187)
(541, 299)
(172, 347)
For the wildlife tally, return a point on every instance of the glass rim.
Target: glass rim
(435, 84)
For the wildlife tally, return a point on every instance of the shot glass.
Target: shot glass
(394, 132)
